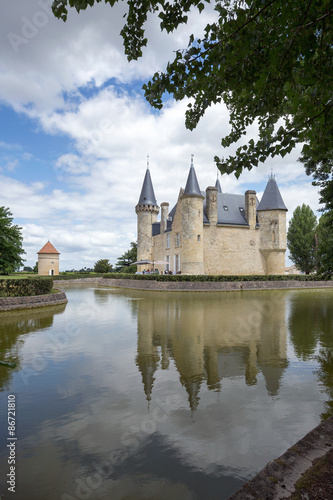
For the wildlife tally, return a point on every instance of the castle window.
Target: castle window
(198, 237)
(177, 239)
(177, 263)
(167, 265)
(225, 208)
(168, 240)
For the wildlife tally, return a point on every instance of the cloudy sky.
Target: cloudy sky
(76, 131)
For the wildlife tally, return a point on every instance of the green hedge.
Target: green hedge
(74, 276)
(25, 286)
(204, 277)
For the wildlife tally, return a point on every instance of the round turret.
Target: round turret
(192, 226)
(147, 211)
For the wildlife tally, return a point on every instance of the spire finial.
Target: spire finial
(192, 156)
(272, 175)
(148, 161)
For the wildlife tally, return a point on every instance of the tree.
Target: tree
(103, 266)
(301, 238)
(325, 244)
(10, 243)
(125, 262)
(35, 268)
(270, 61)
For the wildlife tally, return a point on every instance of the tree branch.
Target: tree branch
(235, 32)
(319, 19)
(296, 34)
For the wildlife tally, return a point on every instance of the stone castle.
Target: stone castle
(212, 232)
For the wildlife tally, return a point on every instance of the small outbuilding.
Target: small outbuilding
(48, 260)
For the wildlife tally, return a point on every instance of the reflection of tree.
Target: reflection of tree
(210, 338)
(311, 325)
(325, 376)
(305, 311)
(14, 326)
(101, 296)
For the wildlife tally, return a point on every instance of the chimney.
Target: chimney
(211, 204)
(164, 215)
(251, 208)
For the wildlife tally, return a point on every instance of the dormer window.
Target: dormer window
(241, 209)
(225, 208)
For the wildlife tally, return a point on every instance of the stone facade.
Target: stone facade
(212, 232)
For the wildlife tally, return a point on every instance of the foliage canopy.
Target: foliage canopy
(103, 266)
(325, 245)
(270, 61)
(10, 243)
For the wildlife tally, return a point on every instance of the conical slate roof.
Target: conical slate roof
(218, 186)
(147, 196)
(271, 199)
(48, 248)
(192, 186)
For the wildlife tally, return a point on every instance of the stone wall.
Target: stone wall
(160, 248)
(11, 303)
(232, 250)
(211, 286)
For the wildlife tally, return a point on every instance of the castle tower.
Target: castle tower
(272, 220)
(192, 226)
(250, 208)
(147, 211)
(164, 215)
(48, 260)
(211, 204)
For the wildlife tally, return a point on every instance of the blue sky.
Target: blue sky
(76, 131)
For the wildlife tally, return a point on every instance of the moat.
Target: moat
(128, 394)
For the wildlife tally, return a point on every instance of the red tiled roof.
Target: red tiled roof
(48, 248)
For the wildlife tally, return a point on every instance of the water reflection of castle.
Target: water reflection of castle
(211, 338)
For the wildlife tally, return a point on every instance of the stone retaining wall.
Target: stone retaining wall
(198, 286)
(211, 286)
(11, 303)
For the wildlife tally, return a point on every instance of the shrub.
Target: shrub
(25, 286)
